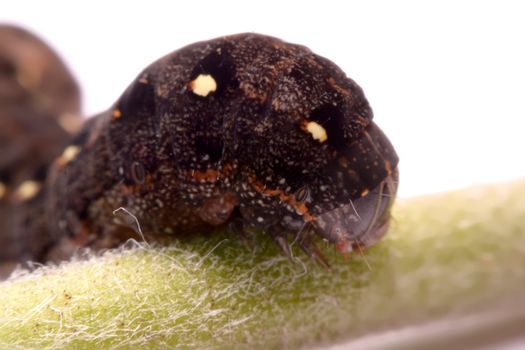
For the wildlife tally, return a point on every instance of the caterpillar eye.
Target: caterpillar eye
(302, 194)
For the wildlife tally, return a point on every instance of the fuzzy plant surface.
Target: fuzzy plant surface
(446, 257)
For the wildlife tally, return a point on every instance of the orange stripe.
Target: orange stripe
(299, 207)
(210, 175)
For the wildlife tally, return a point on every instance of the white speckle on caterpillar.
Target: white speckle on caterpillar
(203, 85)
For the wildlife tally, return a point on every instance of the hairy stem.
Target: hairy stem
(448, 259)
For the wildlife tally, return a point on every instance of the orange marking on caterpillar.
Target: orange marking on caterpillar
(116, 114)
(299, 207)
(210, 175)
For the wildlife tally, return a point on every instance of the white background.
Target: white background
(446, 79)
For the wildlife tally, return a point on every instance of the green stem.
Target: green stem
(447, 257)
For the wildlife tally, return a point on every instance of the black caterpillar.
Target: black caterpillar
(243, 131)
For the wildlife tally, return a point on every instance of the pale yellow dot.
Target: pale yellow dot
(3, 190)
(69, 154)
(317, 131)
(203, 85)
(365, 192)
(27, 189)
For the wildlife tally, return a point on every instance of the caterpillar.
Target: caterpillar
(240, 132)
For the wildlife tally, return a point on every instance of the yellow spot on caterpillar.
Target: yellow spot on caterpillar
(317, 131)
(3, 190)
(116, 114)
(69, 154)
(27, 190)
(203, 85)
(365, 192)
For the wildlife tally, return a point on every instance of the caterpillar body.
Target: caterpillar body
(242, 132)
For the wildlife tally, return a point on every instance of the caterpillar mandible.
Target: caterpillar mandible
(241, 132)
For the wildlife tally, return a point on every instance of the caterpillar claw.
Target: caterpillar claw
(310, 248)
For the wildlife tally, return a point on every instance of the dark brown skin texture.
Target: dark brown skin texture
(39, 99)
(241, 132)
